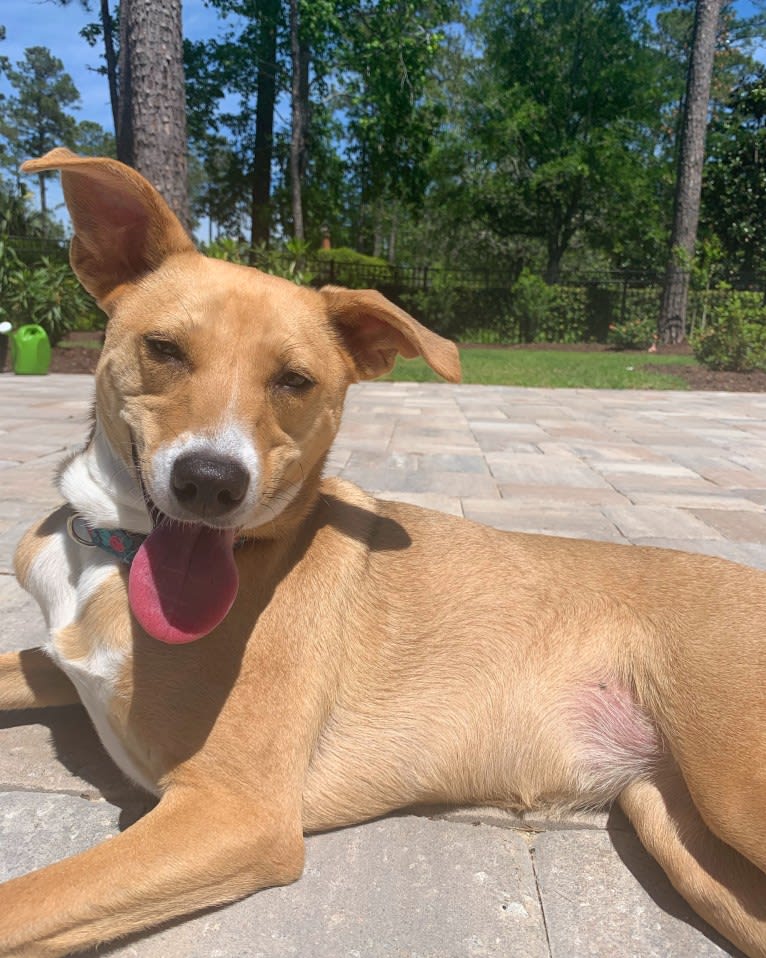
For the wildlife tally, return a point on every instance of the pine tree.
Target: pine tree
(151, 129)
(691, 154)
(36, 116)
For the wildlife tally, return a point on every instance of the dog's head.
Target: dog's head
(220, 388)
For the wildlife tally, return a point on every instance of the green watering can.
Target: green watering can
(30, 351)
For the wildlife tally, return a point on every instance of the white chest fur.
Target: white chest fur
(63, 577)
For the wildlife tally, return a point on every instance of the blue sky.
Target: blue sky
(43, 23)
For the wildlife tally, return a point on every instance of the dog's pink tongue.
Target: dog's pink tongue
(183, 581)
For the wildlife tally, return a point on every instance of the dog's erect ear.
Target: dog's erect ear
(374, 330)
(122, 226)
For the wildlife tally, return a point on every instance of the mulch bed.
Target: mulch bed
(714, 380)
(74, 359)
(77, 359)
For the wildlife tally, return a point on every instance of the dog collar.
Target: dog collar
(120, 543)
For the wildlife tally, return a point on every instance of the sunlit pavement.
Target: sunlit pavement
(683, 470)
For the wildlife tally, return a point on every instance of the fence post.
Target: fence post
(624, 303)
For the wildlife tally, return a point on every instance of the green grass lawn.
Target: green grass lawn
(537, 367)
(553, 368)
(81, 344)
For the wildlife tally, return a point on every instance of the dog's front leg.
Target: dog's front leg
(29, 679)
(197, 848)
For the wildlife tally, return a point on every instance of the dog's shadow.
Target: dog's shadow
(655, 882)
(78, 749)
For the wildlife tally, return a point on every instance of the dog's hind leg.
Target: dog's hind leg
(30, 679)
(726, 889)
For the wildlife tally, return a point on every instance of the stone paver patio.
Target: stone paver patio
(685, 470)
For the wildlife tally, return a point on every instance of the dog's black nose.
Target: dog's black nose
(209, 487)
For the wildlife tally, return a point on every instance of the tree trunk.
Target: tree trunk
(299, 86)
(553, 263)
(266, 92)
(111, 68)
(377, 236)
(152, 115)
(392, 232)
(124, 128)
(691, 154)
(43, 199)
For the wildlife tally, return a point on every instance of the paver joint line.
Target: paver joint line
(540, 900)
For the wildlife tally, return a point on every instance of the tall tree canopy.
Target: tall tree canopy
(538, 134)
(38, 115)
(735, 179)
(231, 99)
(355, 74)
(563, 117)
(388, 49)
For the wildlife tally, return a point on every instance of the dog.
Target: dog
(272, 653)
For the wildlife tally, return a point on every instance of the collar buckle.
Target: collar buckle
(119, 543)
(77, 528)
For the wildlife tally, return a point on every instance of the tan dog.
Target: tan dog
(374, 655)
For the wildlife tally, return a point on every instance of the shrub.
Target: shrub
(566, 320)
(531, 302)
(547, 314)
(46, 293)
(344, 254)
(229, 249)
(346, 267)
(529, 311)
(441, 308)
(637, 331)
(289, 262)
(735, 339)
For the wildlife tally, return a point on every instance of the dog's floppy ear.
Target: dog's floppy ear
(374, 330)
(122, 226)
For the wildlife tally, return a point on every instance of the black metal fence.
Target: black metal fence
(31, 249)
(485, 305)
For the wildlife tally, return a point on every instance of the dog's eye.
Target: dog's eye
(294, 381)
(163, 349)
